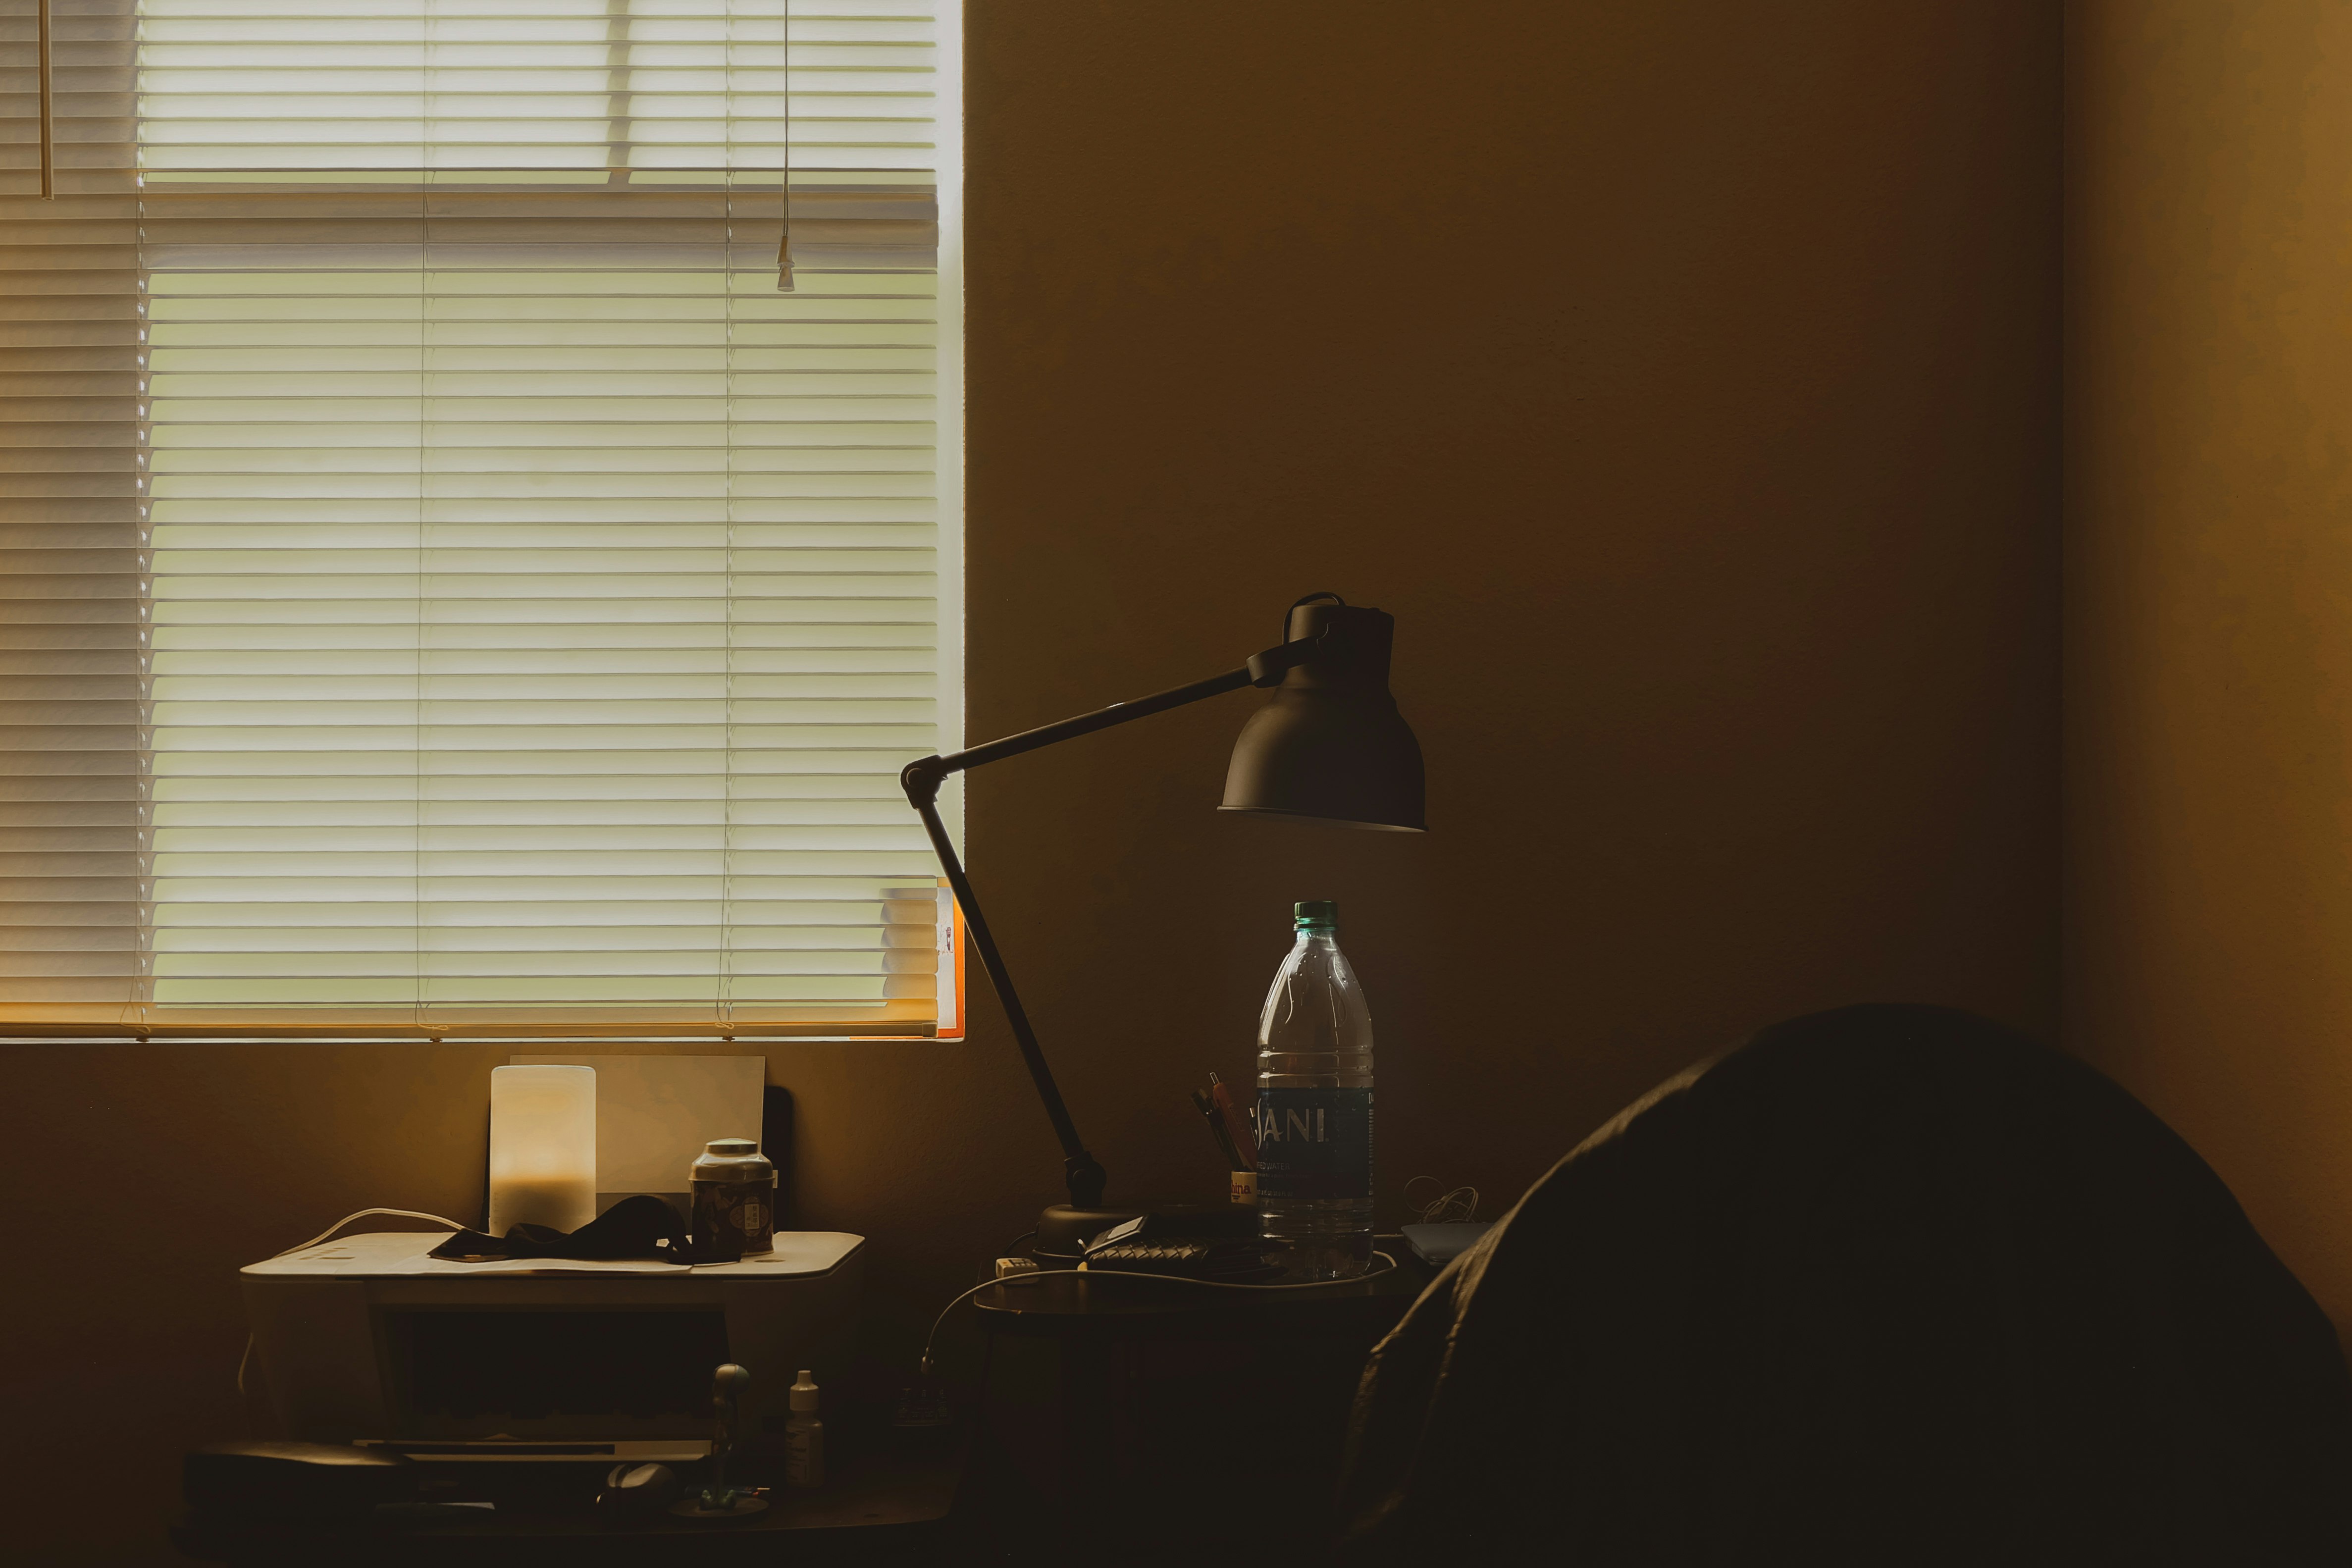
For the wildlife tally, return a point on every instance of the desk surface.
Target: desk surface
(405, 1254)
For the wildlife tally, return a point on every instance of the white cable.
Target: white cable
(363, 1214)
(940, 1320)
(1459, 1206)
(245, 1360)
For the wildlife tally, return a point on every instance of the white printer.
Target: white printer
(368, 1338)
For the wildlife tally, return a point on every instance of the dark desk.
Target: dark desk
(1174, 1418)
(883, 1507)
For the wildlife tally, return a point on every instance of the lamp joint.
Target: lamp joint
(1268, 668)
(920, 779)
(1085, 1177)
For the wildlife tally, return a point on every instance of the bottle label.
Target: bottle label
(1314, 1143)
(804, 1453)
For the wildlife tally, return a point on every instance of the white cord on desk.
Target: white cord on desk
(246, 1358)
(940, 1320)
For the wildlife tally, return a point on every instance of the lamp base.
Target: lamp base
(1064, 1231)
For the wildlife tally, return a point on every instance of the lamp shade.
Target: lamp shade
(1331, 743)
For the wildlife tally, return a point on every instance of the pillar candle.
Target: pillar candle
(542, 1147)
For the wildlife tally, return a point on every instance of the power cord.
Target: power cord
(245, 1360)
(941, 1321)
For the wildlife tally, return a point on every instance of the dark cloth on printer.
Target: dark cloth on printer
(1886, 1285)
(641, 1227)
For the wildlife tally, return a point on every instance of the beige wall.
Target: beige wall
(2209, 574)
(1682, 377)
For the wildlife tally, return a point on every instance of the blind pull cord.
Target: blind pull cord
(48, 127)
(784, 284)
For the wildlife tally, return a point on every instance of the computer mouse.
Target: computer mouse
(636, 1491)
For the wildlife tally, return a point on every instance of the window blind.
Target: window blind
(496, 609)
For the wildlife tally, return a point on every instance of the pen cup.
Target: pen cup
(1245, 1189)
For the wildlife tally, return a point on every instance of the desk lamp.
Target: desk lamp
(1330, 746)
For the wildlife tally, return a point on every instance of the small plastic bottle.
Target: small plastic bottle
(803, 1436)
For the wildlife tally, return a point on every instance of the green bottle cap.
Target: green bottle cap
(1316, 912)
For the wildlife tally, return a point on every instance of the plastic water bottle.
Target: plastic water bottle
(1314, 1116)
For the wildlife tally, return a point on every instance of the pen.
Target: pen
(1244, 1145)
(1208, 1107)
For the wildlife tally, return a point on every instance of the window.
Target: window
(451, 588)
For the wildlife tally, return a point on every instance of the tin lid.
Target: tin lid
(732, 1160)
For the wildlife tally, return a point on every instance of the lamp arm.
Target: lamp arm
(1080, 1170)
(921, 779)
